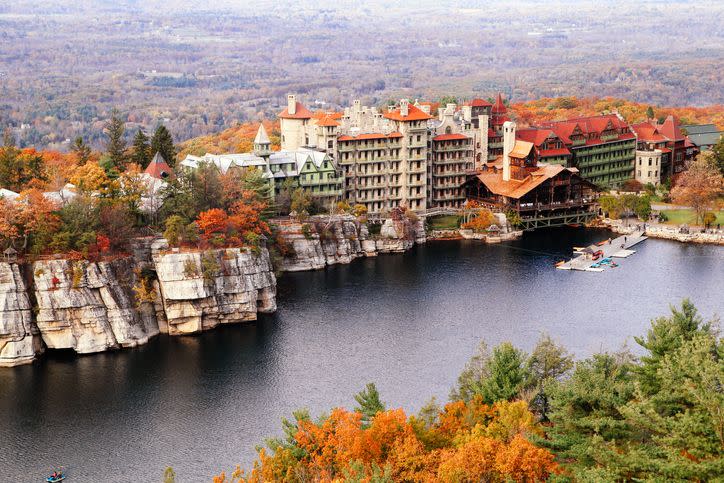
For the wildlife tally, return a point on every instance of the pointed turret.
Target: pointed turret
(499, 106)
(159, 169)
(262, 145)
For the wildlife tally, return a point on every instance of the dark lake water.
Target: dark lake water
(407, 322)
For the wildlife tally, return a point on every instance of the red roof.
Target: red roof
(648, 132)
(449, 137)
(665, 150)
(670, 128)
(301, 113)
(544, 153)
(158, 168)
(534, 135)
(479, 103)
(587, 125)
(327, 121)
(413, 114)
(499, 106)
(499, 119)
(375, 135)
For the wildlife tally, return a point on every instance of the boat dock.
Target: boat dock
(592, 258)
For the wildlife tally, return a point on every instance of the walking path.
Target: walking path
(616, 248)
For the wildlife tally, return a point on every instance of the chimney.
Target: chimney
(292, 104)
(404, 108)
(508, 143)
(467, 113)
(483, 123)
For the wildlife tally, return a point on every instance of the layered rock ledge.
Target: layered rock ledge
(20, 339)
(319, 241)
(91, 306)
(201, 290)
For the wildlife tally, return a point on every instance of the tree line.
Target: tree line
(541, 416)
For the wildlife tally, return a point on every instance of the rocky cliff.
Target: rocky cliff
(20, 339)
(328, 240)
(91, 306)
(201, 290)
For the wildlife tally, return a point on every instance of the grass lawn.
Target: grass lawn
(445, 222)
(680, 217)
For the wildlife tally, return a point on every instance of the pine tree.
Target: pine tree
(507, 374)
(141, 149)
(650, 112)
(81, 149)
(162, 143)
(548, 362)
(116, 145)
(665, 336)
(369, 403)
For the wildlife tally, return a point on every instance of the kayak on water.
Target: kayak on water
(56, 476)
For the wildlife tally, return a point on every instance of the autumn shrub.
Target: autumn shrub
(307, 231)
(480, 222)
(359, 210)
(143, 287)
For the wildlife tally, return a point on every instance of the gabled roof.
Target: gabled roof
(261, 136)
(645, 131)
(521, 149)
(158, 168)
(534, 135)
(413, 114)
(586, 125)
(301, 113)
(700, 128)
(670, 128)
(518, 188)
(499, 106)
(327, 121)
(479, 103)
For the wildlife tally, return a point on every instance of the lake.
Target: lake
(407, 322)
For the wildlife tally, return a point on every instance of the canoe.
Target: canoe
(50, 479)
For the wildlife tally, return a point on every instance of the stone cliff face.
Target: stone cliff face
(19, 337)
(329, 240)
(201, 290)
(91, 306)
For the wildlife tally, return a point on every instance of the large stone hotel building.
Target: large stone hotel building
(403, 156)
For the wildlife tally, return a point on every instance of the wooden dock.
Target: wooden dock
(619, 247)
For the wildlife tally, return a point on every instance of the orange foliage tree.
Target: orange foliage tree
(244, 224)
(31, 218)
(701, 186)
(480, 222)
(463, 442)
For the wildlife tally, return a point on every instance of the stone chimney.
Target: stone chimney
(292, 104)
(404, 108)
(508, 144)
(483, 123)
(467, 113)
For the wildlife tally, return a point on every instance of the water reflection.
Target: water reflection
(408, 322)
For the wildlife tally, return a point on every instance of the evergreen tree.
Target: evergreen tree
(162, 143)
(585, 411)
(718, 150)
(369, 403)
(650, 112)
(507, 374)
(686, 444)
(548, 362)
(141, 149)
(116, 145)
(81, 149)
(476, 369)
(665, 336)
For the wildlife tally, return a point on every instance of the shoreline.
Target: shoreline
(713, 237)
